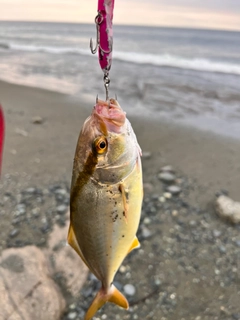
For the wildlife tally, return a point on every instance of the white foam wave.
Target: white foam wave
(165, 60)
(178, 62)
(48, 49)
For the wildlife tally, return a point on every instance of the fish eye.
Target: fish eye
(100, 145)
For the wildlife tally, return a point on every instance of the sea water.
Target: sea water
(185, 75)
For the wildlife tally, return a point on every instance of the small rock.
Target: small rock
(167, 177)
(147, 220)
(62, 209)
(174, 189)
(228, 209)
(193, 223)
(64, 258)
(37, 120)
(14, 233)
(167, 169)
(21, 132)
(36, 212)
(167, 195)
(174, 213)
(238, 243)
(72, 315)
(146, 233)
(20, 210)
(129, 290)
(61, 192)
(31, 190)
(25, 275)
(216, 233)
(222, 249)
(162, 199)
(122, 269)
(146, 154)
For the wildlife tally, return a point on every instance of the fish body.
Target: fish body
(106, 197)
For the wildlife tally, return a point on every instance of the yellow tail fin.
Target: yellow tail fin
(112, 295)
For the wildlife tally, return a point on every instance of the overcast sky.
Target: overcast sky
(219, 14)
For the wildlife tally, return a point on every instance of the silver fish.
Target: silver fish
(106, 197)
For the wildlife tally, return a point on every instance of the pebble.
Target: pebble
(222, 249)
(36, 212)
(61, 192)
(37, 120)
(167, 195)
(174, 213)
(162, 199)
(238, 243)
(14, 233)
(147, 220)
(174, 189)
(62, 209)
(31, 190)
(216, 233)
(167, 177)
(129, 289)
(122, 269)
(146, 154)
(167, 168)
(146, 233)
(228, 209)
(20, 210)
(72, 315)
(21, 132)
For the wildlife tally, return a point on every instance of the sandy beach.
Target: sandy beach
(188, 269)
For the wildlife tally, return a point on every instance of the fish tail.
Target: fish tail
(112, 295)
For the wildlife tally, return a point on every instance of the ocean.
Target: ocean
(182, 75)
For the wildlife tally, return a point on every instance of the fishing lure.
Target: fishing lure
(104, 40)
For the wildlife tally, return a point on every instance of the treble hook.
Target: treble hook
(98, 21)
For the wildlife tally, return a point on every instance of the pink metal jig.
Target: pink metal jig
(104, 41)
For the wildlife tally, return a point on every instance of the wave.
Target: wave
(166, 60)
(162, 60)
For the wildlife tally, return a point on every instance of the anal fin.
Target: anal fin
(74, 244)
(135, 244)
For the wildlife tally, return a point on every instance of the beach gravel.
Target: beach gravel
(187, 267)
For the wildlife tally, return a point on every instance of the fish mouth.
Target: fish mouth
(111, 113)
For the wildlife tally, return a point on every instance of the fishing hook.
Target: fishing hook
(98, 21)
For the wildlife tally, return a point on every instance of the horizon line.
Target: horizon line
(123, 24)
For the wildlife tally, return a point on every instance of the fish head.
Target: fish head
(107, 143)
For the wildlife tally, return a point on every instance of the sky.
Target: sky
(213, 14)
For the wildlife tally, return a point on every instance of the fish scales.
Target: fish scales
(106, 197)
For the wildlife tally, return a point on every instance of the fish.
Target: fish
(106, 197)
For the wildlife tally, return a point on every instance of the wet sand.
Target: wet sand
(41, 155)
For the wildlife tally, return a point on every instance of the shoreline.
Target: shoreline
(49, 147)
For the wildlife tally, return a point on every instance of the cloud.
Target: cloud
(221, 14)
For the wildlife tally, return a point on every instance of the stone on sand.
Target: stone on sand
(167, 177)
(64, 260)
(26, 289)
(228, 209)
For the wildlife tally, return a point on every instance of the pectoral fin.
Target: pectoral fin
(125, 196)
(135, 244)
(74, 244)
